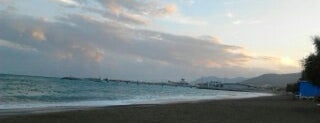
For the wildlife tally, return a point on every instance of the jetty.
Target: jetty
(169, 83)
(212, 85)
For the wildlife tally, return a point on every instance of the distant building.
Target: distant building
(181, 83)
(211, 84)
(226, 86)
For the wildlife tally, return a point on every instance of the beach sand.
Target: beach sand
(274, 109)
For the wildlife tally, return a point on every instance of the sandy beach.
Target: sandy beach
(274, 109)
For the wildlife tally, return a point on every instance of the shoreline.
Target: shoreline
(259, 109)
(4, 113)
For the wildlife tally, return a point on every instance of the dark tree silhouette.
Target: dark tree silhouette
(311, 64)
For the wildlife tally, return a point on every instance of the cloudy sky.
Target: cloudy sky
(155, 39)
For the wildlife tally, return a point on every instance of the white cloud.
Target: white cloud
(16, 46)
(135, 12)
(236, 22)
(181, 19)
(255, 21)
(38, 35)
(70, 2)
(189, 2)
(229, 15)
(95, 54)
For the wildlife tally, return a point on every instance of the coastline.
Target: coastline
(56, 108)
(259, 109)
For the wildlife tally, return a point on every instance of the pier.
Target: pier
(169, 83)
(207, 85)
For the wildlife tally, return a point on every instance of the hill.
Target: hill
(224, 80)
(274, 80)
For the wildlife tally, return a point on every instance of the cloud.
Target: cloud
(229, 15)
(255, 21)
(170, 13)
(214, 39)
(181, 19)
(168, 9)
(83, 43)
(189, 2)
(115, 9)
(5, 1)
(7, 6)
(237, 22)
(133, 18)
(123, 12)
(70, 2)
(89, 40)
(38, 35)
(284, 61)
(141, 13)
(8, 44)
(92, 53)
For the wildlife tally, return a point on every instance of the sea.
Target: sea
(30, 92)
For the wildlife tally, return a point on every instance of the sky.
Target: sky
(156, 40)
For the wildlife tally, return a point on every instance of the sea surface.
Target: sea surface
(28, 92)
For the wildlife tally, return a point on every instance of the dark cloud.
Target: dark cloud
(83, 45)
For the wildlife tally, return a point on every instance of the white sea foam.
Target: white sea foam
(136, 100)
(29, 93)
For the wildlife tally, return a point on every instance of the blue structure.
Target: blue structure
(307, 89)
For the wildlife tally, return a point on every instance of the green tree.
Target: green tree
(311, 64)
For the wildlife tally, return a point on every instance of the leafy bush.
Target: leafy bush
(311, 64)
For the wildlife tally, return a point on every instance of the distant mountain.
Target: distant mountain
(275, 80)
(224, 80)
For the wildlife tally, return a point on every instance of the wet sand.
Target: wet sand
(274, 109)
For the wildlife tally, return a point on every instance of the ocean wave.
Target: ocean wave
(39, 92)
